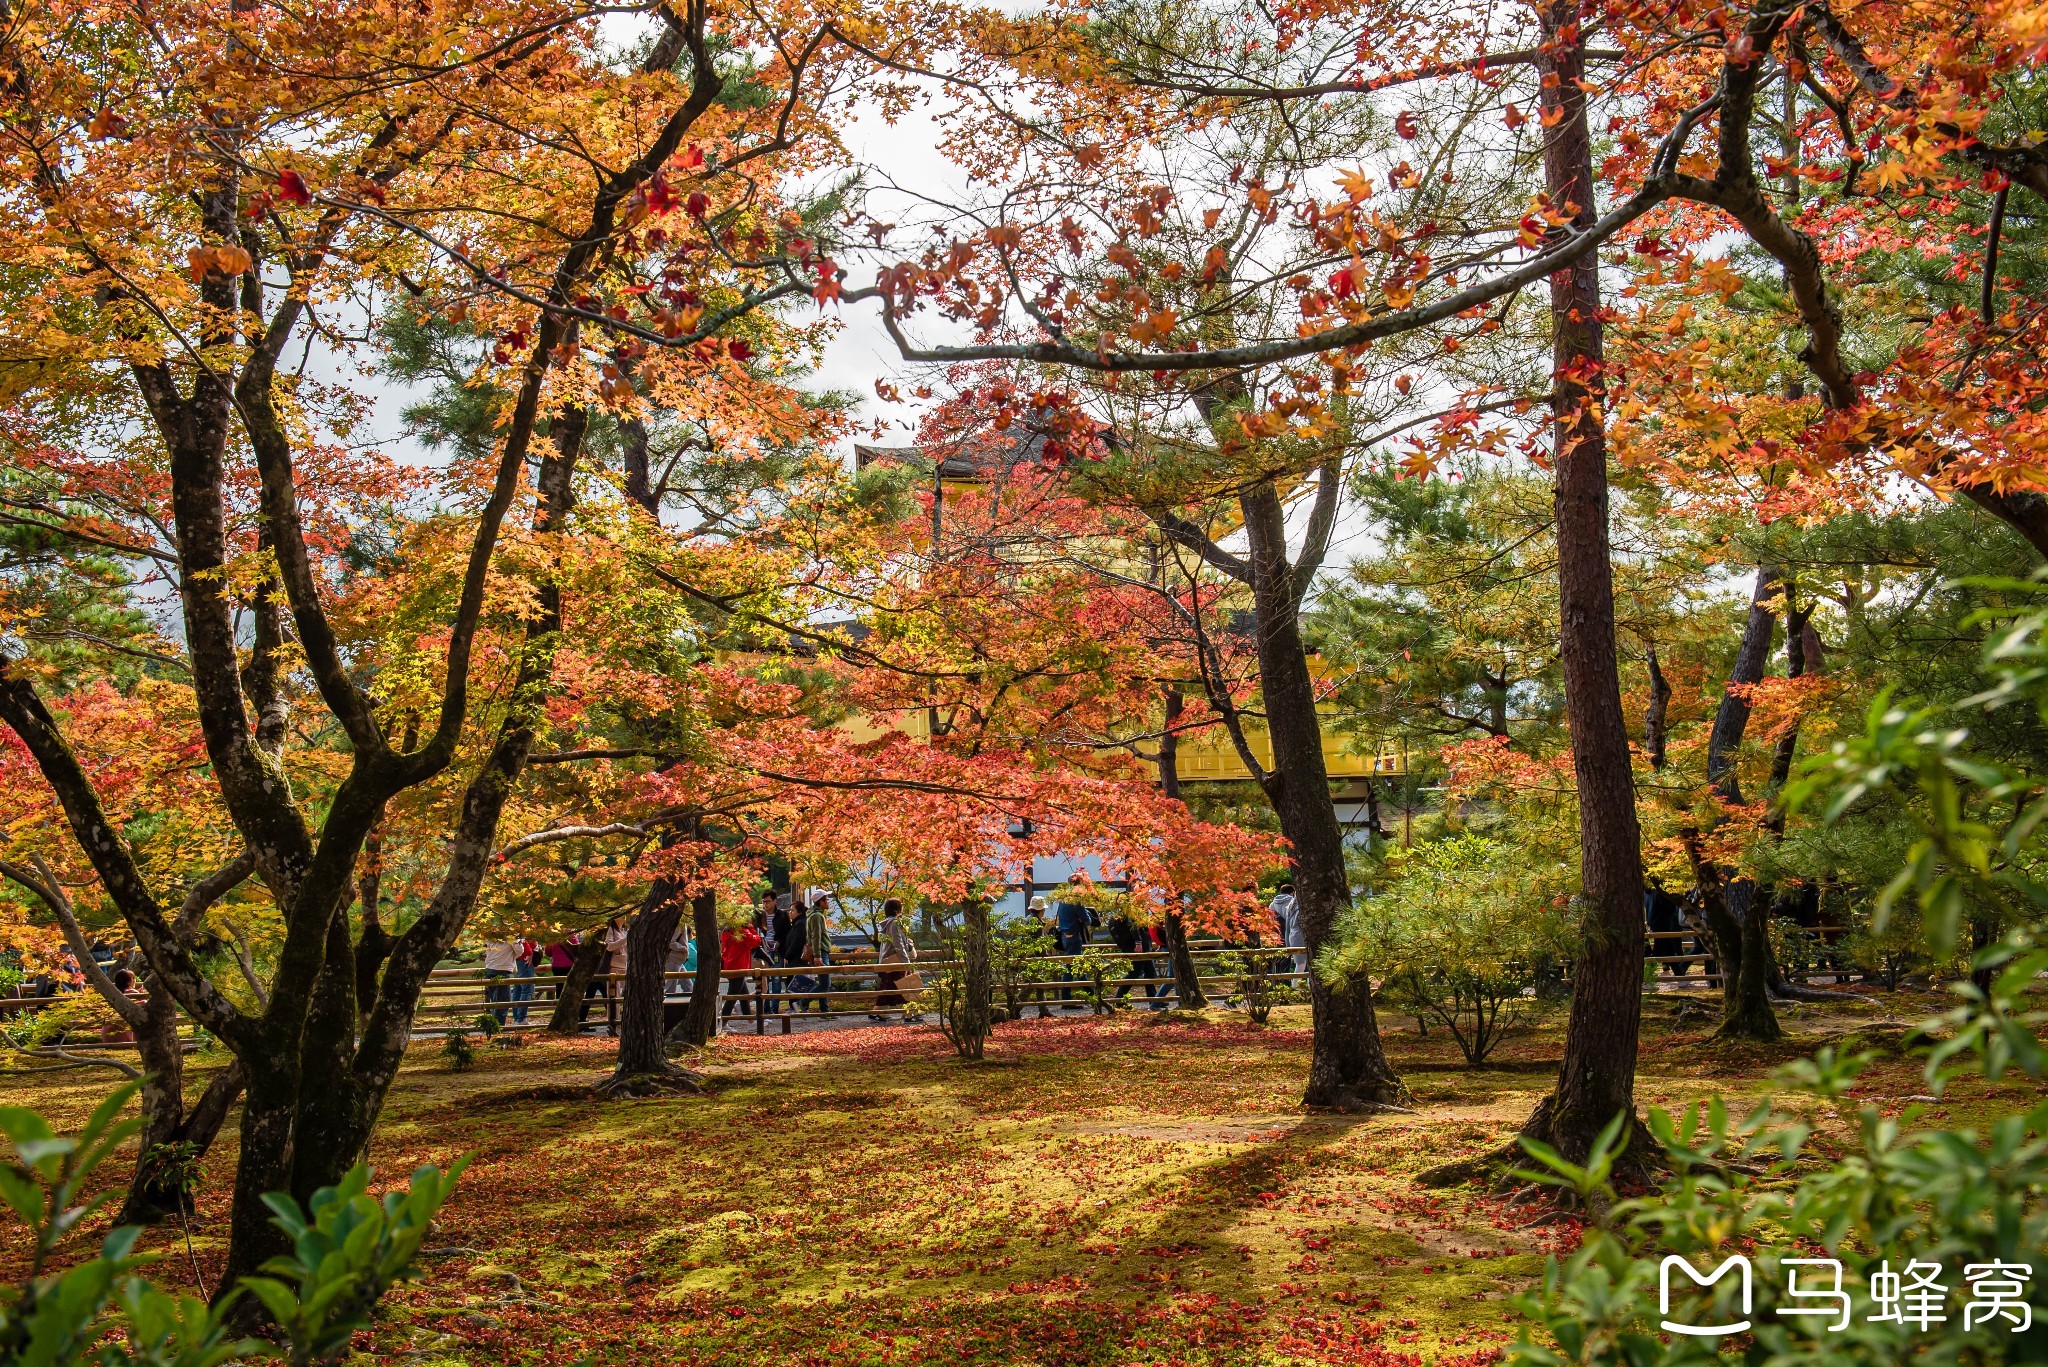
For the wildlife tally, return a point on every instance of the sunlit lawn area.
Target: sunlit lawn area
(1139, 1189)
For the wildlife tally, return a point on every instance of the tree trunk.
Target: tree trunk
(1659, 708)
(160, 1187)
(977, 984)
(1348, 1066)
(1596, 1079)
(1187, 983)
(1741, 925)
(568, 1014)
(1737, 916)
(269, 1109)
(701, 1019)
(373, 944)
(641, 1029)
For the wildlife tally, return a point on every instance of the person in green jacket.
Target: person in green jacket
(818, 949)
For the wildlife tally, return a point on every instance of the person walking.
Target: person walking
(522, 979)
(736, 955)
(614, 970)
(774, 923)
(681, 959)
(896, 948)
(818, 949)
(1071, 918)
(1287, 921)
(1136, 940)
(500, 958)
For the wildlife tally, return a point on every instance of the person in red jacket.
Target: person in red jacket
(736, 954)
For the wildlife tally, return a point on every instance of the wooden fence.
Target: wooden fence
(456, 996)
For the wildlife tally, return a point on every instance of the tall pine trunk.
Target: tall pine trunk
(1596, 1079)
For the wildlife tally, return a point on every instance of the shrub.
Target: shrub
(1454, 936)
(1016, 958)
(457, 1050)
(347, 1251)
(1257, 988)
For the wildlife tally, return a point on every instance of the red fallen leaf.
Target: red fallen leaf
(291, 188)
(1404, 124)
(738, 349)
(697, 205)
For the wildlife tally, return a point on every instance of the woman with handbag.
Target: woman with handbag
(896, 949)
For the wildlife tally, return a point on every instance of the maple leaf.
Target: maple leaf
(291, 188)
(1514, 117)
(106, 124)
(1354, 184)
(697, 205)
(1404, 124)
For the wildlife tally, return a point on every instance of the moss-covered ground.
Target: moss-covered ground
(1134, 1190)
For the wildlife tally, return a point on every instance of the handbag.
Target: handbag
(913, 981)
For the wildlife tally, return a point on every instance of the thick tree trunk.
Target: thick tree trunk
(1348, 1066)
(1596, 1079)
(1187, 982)
(160, 1187)
(269, 1109)
(701, 1019)
(641, 1029)
(373, 944)
(568, 1014)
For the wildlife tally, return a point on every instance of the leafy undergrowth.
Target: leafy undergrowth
(1138, 1190)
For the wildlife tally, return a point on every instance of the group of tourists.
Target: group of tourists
(771, 963)
(771, 960)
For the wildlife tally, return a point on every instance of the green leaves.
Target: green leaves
(346, 1253)
(347, 1249)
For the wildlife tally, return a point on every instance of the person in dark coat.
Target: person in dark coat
(1666, 921)
(1132, 938)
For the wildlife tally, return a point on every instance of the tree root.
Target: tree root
(1794, 992)
(667, 1082)
(1497, 1168)
(1346, 1101)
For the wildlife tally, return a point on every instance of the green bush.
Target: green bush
(1453, 936)
(346, 1253)
(1016, 960)
(1258, 989)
